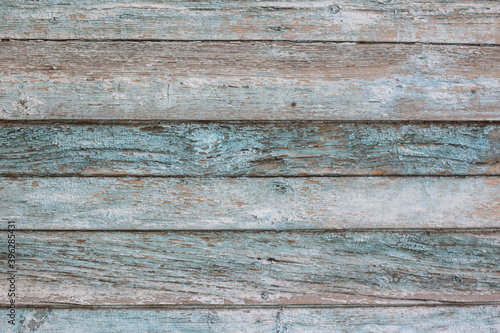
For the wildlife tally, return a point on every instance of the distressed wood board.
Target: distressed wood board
(450, 21)
(255, 268)
(249, 203)
(249, 149)
(387, 319)
(248, 80)
(265, 166)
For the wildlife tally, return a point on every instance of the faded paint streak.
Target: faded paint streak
(250, 149)
(237, 268)
(452, 21)
(258, 80)
(250, 203)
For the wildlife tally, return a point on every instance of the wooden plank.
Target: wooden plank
(242, 80)
(249, 203)
(174, 268)
(396, 319)
(451, 21)
(249, 149)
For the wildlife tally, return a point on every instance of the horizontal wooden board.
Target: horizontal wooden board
(174, 268)
(249, 203)
(389, 320)
(451, 21)
(242, 80)
(249, 149)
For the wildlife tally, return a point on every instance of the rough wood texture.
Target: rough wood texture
(260, 80)
(134, 268)
(249, 203)
(249, 149)
(145, 200)
(388, 320)
(450, 21)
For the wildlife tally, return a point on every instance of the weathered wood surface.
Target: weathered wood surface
(451, 21)
(249, 203)
(243, 80)
(141, 268)
(249, 149)
(389, 320)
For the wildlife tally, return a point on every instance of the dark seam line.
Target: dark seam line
(440, 304)
(142, 122)
(142, 176)
(159, 40)
(243, 177)
(447, 231)
(138, 122)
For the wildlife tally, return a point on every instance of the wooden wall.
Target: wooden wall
(258, 166)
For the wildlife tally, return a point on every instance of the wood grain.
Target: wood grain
(451, 21)
(249, 203)
(265, 166)
(389, 320)
(249, 149)
(155, 268)
(243, 80)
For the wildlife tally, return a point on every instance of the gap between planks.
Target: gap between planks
(427, 231)
(249, 306)
(242, 41)
(145, 175)
(159, 121)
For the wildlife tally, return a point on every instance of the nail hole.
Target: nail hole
(334, 9)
